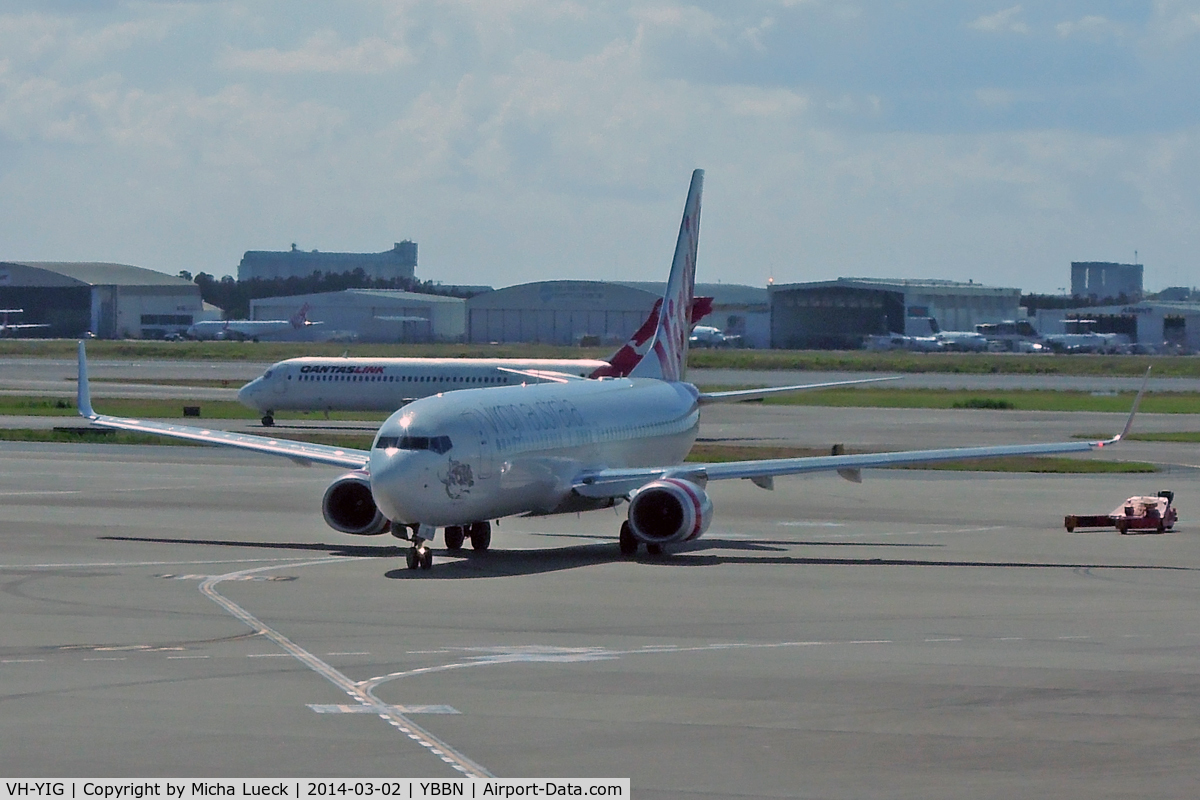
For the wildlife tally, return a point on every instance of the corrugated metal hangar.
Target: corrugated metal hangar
(371, 315)
(1153, 324)
(738, 310)
(113, 301)
(840, 313)
(558, 312)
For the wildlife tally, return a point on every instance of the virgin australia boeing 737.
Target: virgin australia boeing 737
(385, 384)
(458, 460)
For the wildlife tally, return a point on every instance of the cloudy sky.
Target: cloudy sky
(520, 140)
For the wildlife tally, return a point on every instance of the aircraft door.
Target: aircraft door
(279, 384)
(482, 447)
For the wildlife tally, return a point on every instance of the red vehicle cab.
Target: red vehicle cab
(1137, 513)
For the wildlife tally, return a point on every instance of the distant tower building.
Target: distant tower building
(1102, 279)
(399, 262)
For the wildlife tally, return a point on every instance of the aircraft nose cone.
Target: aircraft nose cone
(398, 483)
(248, 393)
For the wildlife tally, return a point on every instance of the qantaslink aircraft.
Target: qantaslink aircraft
(458, 460)
(385, 384)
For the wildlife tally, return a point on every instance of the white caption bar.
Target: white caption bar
(308, 789)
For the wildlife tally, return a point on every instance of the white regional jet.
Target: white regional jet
(253, 329)
(385, 384)
(7, 328)
(460, 459)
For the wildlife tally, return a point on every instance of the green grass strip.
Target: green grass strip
(83, 435)
(984, 400)
(818, 360)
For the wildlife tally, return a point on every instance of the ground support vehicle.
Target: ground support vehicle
(1155, 513)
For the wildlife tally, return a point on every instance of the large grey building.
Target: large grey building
(558, 312)
(372, 315)
(1153, 324)
(840, 313)
(113, 301)
(1101, 279)
(399, 262)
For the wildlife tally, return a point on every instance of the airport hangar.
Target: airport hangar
(838, 314)
(558, 312)
(112, 301)
(1149, 322)
(371, 315)
(738, 310)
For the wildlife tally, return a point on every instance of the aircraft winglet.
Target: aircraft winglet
(1137, 401)
(83, 396)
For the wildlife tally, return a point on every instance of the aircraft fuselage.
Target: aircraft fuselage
(484, 454)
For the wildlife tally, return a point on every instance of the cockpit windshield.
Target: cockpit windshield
(438, 444)
(267, 374)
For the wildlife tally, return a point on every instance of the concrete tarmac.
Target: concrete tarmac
(179, 611)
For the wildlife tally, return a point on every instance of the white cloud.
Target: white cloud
(1091, 27)
(1001, 22)
(323, 52)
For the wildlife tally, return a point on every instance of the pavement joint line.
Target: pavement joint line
(403, 723)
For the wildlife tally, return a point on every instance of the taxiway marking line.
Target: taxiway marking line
(399, 721)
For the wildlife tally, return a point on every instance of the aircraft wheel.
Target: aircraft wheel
(1162, 526)
(654, 549)
(454, 537)
(481, 536)
(412, 558)
(427, 560)
(268, 420)
(627, 541)
(1122, 527)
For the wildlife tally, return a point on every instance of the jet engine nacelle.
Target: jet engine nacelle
(669, 510)
(349, 507)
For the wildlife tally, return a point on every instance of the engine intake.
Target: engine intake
(669, 510)
(349, 507)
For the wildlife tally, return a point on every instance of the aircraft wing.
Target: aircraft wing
(621, 482)
(544, 375)
(302, 452)
(742, 395)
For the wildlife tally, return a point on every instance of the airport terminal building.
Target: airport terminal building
(840, 313)
(112, 301)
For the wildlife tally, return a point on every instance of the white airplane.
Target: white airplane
(7, 327)
(252, 329)
(385, 384)
(458, 460)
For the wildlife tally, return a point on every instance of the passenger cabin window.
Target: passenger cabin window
(438, 444)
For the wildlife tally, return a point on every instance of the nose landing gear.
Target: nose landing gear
(419, 555)
(268, 419)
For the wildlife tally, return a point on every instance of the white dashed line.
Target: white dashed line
(110, 658)
(269, 655)
(951, 639)
(21, 660)
(177, 658)
(347, 654)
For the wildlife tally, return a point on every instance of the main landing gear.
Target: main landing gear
(480, 534)
(268, 419)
